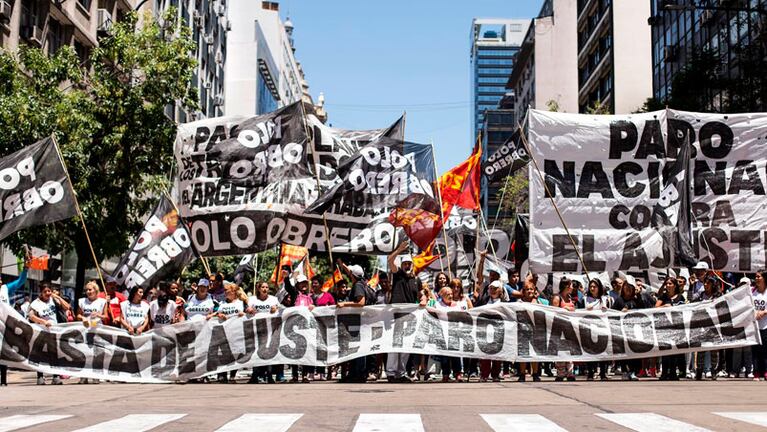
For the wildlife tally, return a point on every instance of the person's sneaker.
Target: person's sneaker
(571, 378)
(536, 378)
(497, 379)
(708, 375)
(559, 379)
(690, 375)
(445, 378)
(459, 378)
(723, 374)
(404, 379)
(604, 378)
(633, 377)
(522, 378)
(41, 381)
(56, 381)
(750, 375)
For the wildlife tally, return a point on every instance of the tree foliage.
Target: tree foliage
(107, 114)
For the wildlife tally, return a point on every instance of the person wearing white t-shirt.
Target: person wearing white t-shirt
(445, 302)
(135, 312)
(233, 306)
(92, 309)
(201, 305)
(43, 311)
(162, 310)
(262, 303)
(759, 293)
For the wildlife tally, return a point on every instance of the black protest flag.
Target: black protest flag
(244, 267)
(163, 247)
(509, 158)
(382, 174)
(34, 188)
(671, 213)
(521, 244)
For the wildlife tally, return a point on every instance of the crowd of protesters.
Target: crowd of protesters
(214, 298)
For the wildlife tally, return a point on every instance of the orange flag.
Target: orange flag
(328, 285)
(39, 263)
(289, 254)
(423, 259)
(373, 282)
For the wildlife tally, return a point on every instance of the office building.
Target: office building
(614, 54)
(679, 29)
(494, 42)
(262, 71)
(498, 126)
(545, 72)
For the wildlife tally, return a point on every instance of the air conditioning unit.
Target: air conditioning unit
(6, 9)
(33, 34)
(209, 39)
(218, 100)
(206, 85)
(197, 19)
(228, 25)
(670, 53)
(104, 21)
(219, 57)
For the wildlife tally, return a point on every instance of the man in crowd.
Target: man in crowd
(404, 289)
(700, 270)
(114, 298)
(358, 297)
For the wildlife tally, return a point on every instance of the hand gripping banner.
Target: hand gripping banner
(327, 335)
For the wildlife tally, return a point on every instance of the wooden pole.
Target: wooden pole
(79, 211)
(553, 203)
(441, 213)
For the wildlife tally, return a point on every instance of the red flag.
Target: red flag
(328, 285)
(39, 263)
(459, 186)
(373, 282)
(289, 254)
(423, 259)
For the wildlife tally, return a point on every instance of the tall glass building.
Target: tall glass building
(494, 42)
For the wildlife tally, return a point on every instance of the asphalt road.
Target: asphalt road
(506, 406)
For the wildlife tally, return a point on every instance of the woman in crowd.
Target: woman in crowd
(263, 303)
(564, 300)
(43, 311)
(596, 301)
(92, 309)
(447, 363)
(668, 296)
(162, 311)
(629, 300)
(759, 355)
(706, 362)
(234, 304)
(441, 280)
(303, 299)
(175, 297)
(487, 368)
(135, 312)
(201, 305)
(529, 295)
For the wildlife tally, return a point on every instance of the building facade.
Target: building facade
(262, 72)
(545, 72)
(678, 32)
(494, 43)
(614, 55)
(498, 126)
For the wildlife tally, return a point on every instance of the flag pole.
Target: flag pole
(79, 211)
(441, 213)
(553, 203)
(204, 260)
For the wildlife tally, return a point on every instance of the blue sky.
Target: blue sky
(373, 59)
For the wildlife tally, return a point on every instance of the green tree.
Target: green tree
(107, 114)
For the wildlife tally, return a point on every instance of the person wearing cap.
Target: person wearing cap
(115, 299)
(201, 305)
(706, 362)
(405, 287)
(301, 298)
(700, 270)
(359, 296)
(481, 292)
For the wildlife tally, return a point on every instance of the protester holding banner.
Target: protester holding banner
(671, 295)
(115, 299)
(43, 311)
(135, 312)
(496, 293)
(529, 295)
(175, 297)
(449, 363)
(405, 287)
(201, 305)
(162, 311)
(441, 280)
(759, 294)
(234, 305)
(629, 300)
(92, 310)
(262, 303)
(596, 301)
(566, 301)
(706, 363)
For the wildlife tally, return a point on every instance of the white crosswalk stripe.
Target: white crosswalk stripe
(520, 423)
(389, 423)
(265, 422)
(133, 423)
(651, 422)
(23, 421)
(755, 418)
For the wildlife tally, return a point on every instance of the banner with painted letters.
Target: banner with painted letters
(34, 188)
(328, 335)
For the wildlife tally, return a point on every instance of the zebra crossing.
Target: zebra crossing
(372, 422)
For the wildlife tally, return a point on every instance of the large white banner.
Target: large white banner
(729, 171)
(604, 173)
(327, 335)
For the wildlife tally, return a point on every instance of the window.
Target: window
(86, 5)
(494, 71)
(56, 38)
(492, 80)
(495, 61)
(490, 89)
(266, 102)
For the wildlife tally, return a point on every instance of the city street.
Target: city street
(506, 406)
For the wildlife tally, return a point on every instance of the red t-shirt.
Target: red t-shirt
(114, 305)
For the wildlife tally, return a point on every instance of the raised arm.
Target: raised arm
(391, 260)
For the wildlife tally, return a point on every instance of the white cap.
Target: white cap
(357, 271)
(631, 280)
(496, 284)
(405, 258)
(744, 281)
(301, 278)
(701, 265)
